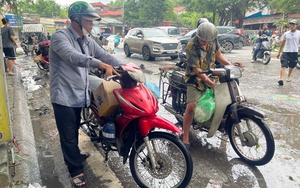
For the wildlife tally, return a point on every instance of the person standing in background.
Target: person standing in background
(48, 36)
(31, 43)
(9, 44)
(289, 57)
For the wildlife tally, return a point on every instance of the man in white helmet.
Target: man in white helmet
(202, 51)
(199, 21)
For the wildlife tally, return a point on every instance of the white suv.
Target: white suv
(170, 30)
(151, 43)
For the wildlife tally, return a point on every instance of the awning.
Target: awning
(110, 21)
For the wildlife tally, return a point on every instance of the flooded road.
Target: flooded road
(215, 162)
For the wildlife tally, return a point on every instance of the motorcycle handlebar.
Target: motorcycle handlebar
(214, 72)
(110, 77)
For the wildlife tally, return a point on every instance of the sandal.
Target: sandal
(78, 181)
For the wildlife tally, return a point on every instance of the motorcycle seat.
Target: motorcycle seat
(94, 82)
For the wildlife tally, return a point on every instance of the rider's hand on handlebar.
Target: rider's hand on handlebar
(109, 70)
(239, 64)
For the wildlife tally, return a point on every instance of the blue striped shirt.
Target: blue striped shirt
(69, 67)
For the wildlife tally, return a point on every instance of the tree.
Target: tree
(116, 3)
(225, 11)
(146, 13)
(131, 16)
(289, 6)
(45, 8)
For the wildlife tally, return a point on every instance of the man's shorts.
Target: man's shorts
(192, 94)
(10, 53)
(289, 59)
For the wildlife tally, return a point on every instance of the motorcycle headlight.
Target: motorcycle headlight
(234, 71)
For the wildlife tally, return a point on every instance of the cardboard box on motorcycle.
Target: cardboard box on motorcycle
(104, 98)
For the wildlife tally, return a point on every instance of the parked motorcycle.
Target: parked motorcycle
(244, 123)
(42, 52)
(157, 157)
(24, 46)
(264, 52)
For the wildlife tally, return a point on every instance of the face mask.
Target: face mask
(85, 32)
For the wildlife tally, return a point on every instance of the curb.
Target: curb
(26, 169)
(20, 168)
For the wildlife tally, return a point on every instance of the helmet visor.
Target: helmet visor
(91, 18)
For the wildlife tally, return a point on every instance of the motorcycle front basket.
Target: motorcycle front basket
(177, 78)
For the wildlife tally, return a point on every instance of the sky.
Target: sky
(68, 2)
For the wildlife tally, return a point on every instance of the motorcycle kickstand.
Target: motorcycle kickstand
(106, 150)
(106, 156)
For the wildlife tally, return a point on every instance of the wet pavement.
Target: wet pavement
(215, 162)
(50, 160)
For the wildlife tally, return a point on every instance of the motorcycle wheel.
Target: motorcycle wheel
(43, 66)
(259, 147)
(298, 64)
(266, 59)
(25, 50)
(89, 123)
(175, 162)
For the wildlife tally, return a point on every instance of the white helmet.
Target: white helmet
(207, 31)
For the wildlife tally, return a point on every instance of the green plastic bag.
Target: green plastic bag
(206, 107)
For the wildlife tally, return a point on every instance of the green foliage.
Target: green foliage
(45, 8)
(116, 3)
(189, 19)
(289, 6)
(224, 11)
(147, 13)
(283, 22)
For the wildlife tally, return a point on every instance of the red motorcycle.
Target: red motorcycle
(42, 52)
(122, 117)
